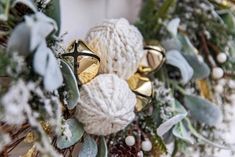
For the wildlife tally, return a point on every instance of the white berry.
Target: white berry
(217, 73)
(219, 89)
(200, 58)
(231, 84)
(130, 140)
(221, 57)
(146, 145)
(232, 97)
(222, 82)
(140, 154)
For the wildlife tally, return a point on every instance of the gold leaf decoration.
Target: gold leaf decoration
(32, 152)
(205, 89)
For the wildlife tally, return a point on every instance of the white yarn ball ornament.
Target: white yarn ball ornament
(106, 105)
(119, 46)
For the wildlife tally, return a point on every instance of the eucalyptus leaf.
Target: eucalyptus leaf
(53, 78)
(4, 9)
(41, 27)
(71, 85)
(196, 134)
(102, 148)
(172, 44)
(180, 114)
(19, 40)
(27, 36)
(166, 126)
(203, 110)
(228, 19)
(182, 133)
(175, 58)
(89, 148)
(53, 11)
(76, 133)
(200, 68)
(187, 46)
(179, 109)
(28, 3)
(172, 26)
(46, 65)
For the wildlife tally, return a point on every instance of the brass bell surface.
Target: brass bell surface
(86, 62)
(155, 56)
(143, 89)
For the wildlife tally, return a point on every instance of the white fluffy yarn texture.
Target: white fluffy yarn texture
(106, 105)
(119, 46)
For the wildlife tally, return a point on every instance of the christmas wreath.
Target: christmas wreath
(161, 86)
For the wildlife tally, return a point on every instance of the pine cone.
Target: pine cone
(120, 149)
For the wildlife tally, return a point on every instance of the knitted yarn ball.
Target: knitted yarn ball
(119, 46)
(106, 105)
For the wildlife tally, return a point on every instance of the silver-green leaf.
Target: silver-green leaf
(200, 68)
(181, 132)
(187, 46)
(75, 131)
(200, 137)
(176, 59)
(89, 148)
(180, 114)
(71, 85)
(4, 9)
(28, 3)
(203, 110)
(46, 65)
(102, 148)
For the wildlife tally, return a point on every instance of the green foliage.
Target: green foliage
(72, 133)
(202, 110)
(200, 68)
(102, 148)
(71, 85)
(4, 62)
(4, 9)
(53, 11)
(151, 16)
(89, 148)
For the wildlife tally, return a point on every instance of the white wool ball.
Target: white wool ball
(106, 105)
(146, 145)
(130, 140)
(221, 57)
(119, 46)
(217, 73)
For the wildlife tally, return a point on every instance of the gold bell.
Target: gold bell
(143, 89)
(155, 58)
(85, 62)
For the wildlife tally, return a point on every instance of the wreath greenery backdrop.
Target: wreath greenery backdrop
(182, 93)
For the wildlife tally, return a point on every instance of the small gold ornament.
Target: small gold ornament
(205, 89)
(143, 89)
(31, 137)
(139, 83)
(85, 62)
(32, 152)
(155, 56)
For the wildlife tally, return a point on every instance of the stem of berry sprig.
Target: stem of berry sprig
(177, 86)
